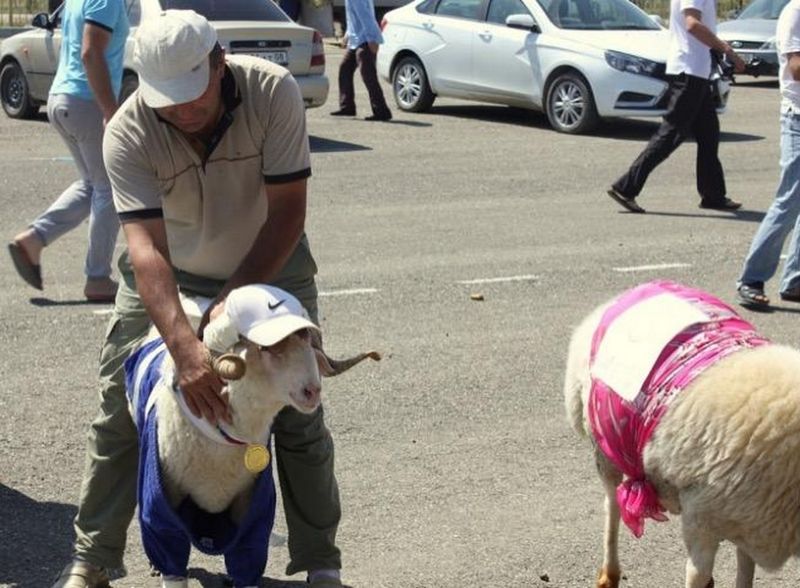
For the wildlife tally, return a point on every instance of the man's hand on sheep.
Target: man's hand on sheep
(201, 387)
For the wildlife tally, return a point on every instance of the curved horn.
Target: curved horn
(333, 367)
(329, 367)
(229, 366)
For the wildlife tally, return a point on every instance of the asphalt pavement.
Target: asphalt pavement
(454, 458)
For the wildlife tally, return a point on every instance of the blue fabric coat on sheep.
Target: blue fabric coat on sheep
(167, 533)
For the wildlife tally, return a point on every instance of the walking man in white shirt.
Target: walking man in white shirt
(691, 110)
(782, 217)
(362, 39)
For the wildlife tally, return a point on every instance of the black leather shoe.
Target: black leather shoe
(343, 112)
(383, 116)
(726, 204)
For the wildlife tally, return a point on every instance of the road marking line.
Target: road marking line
(354, 291)
(647, 268)
(59, 158)
(524, 278)
(350, 292)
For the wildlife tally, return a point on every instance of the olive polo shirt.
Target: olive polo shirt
(214, 205)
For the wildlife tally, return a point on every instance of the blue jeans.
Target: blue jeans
(783, 214)
(80, 124)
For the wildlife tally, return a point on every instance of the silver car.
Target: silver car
(752, 35)
(28, 60)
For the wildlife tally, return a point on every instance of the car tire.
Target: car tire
(570, 105)
(14, 94)
(410, 87)
(130, 82)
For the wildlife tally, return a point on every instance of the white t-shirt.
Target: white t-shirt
(687, 54)
(787, 39)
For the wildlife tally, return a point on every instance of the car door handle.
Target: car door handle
(485, 35)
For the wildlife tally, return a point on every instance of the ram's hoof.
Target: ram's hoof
(606, 579)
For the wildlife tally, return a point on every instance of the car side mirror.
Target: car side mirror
(522, 21)
(42, 21)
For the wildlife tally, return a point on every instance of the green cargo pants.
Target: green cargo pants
(303, 447)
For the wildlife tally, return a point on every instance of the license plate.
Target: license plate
(279, 57)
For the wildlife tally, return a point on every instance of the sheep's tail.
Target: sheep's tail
(638, 500)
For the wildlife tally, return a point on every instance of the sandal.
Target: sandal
(751, 296)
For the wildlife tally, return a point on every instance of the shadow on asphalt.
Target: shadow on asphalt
(748, 216)
(214, 580)
(623, 129)
(642, 130)
(45, 302)
(748, 82)
(324, 145)
(493, 113)
(34, 544)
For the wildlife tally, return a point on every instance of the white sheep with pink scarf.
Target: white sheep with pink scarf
(691, 413)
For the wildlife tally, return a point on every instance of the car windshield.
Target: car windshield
(597, 15)
(231, 9)
(768, 9)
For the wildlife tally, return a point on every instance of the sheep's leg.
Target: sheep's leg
(610, 572)
(702, 548)
(745, 569)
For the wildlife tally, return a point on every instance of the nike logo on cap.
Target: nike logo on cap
(276, 305)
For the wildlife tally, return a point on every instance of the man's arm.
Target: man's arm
(694, 25)
(147, 247)
(275, 242)
(793, 64)
(94, 43)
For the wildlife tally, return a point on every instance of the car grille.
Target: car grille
(746, 44)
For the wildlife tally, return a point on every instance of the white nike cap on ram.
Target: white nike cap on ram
(265, 314)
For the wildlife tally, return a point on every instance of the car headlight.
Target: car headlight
(631, 63)
(769, 45)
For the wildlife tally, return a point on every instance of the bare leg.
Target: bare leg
(745, 569)
(609, 574)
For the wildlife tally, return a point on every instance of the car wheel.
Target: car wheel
(412, 92)
(570, 105)
(130, 82)
(14, 94)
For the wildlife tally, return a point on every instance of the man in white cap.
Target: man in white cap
(208, 162)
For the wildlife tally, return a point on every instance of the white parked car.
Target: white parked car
(576, 60)
(752, 35)
(28, 60)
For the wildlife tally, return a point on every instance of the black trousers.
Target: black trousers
(691, 112)
(364, 59)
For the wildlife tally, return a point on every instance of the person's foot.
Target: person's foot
(344, 112)
(627, 202)
(26, 253)
(791, 295)
(100, 289)
(81, 574)
(381, 116)
(325, 579)
(752, 296)
(727, 204)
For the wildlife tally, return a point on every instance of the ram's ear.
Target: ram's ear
(329, 367)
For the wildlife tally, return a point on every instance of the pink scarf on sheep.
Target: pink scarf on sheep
(622, 426)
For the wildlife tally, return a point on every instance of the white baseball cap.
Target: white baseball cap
(170, 55)
(265, 314)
